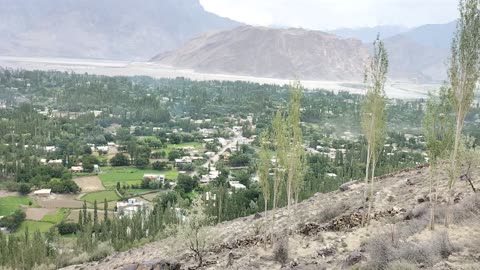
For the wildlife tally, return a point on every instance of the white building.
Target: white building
(183, 160)
(130, 207)
(42, 192)
(55, 162)
(76, 169)
(237, 185)
(155, 177)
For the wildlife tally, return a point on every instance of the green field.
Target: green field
(170, 147)
(10, 204)
(129, 175)
(195, 145)
(100, 196)
(57, 217)
(34, 226)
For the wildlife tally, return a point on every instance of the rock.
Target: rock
(257, 216)
(346, 186)
(352, 259)
(155, 265)
(130, 267)
(410, 182)
(326, 251)
(230, 259)
(421, 200)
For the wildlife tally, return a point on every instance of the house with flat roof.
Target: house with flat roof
(42, 192)
(155, 177)
(130, 207)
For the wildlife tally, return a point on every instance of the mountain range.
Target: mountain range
(180, 33)
(272, 52)
(417, 55)
(114, 29)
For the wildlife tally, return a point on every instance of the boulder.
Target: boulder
(154, 265)
(352, 259)
(346, 186)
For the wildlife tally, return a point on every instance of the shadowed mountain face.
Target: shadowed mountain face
(421, 54)
(118, 29)
(276, 53)
(417, 55)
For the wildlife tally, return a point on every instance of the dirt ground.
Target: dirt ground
(59, 201)
(150, 196)
(73, 217)
(38, 213)
(4, 193)
(89, 183)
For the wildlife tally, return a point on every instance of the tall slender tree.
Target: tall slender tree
(438, 127)
(280, 137)
(373, 115)
(463, 73)
(296, 155)
(263, 174)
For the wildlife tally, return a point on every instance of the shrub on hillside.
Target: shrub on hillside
(280, 253)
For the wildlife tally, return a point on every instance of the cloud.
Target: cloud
(330, 14)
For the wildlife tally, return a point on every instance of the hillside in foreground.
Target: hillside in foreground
(328, 233)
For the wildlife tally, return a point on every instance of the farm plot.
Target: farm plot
(60, 201)
(38, 214)
(100, 196)
(11, 204)
(89, 183)
(129, 175)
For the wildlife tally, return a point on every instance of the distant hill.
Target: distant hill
(421, 54)
(276, 53)
(369, 34)
(117, 29)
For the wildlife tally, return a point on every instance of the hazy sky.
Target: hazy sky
(330, 14)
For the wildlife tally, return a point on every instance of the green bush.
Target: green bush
(13, 221)
(67, 228)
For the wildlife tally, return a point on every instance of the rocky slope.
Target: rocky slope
(276, 53)
(115, 29)
(327, 234)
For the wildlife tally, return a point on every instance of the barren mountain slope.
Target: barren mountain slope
(276, 53)
(328, 234)
(114, 29)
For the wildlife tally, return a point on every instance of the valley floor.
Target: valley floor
(394, 89)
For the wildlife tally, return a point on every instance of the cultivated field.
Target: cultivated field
(38, 213)
(89, 183)
(100, 196)
(60, 201)
(128, 175)
(10, 204)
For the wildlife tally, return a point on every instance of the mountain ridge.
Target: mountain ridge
(271, 52)
(110, 29)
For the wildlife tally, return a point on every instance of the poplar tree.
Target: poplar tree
(295, 152)
(95, 216)
(263, 173)
(373, 115)
(438, 127)
(464, 72)
(280, 138)
(105, 210)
